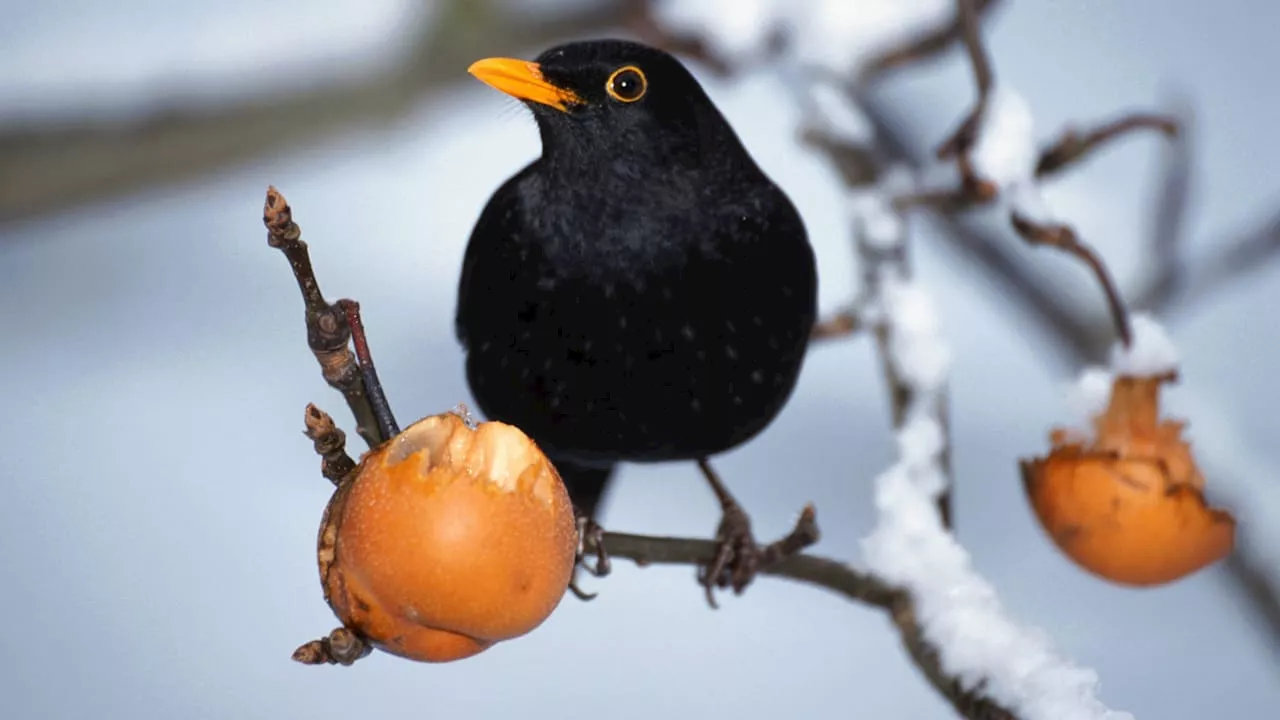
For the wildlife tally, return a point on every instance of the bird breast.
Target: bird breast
(653, 346)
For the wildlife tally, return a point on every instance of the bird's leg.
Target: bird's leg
(738, 556)
(590, 540)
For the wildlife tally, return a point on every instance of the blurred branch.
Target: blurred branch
(928, 45)
(839, 325)
(1064, 238)
(1234, 260)
(48, 168)
(1072, 146)
(960, 141)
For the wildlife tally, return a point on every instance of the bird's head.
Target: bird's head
(612, 99)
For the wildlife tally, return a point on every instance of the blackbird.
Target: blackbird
(642, 292)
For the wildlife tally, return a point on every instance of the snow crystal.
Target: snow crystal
(732, 29)
(958, 610)
(880, 225)
(919, 355)
(838, 116)
(1005, 152)
(1088, 396)
(1152, 353)
(839, 35)
(1024, 197)
(844, 36)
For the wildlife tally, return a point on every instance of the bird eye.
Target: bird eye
(627, 84)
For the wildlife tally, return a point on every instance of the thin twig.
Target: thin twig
(51, 166)
(959, 142)
(924, 47)
(839, 325)
(1073, 146)
(387, 425)
(330, 444)
(1169, 212)
(328, 334)
(1064, 238)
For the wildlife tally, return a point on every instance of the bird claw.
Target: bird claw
(739, 558)
(590, 537)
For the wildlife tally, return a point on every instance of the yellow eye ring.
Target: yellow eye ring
(627, 84)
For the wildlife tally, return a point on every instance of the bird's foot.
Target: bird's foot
(590, 542)
(739, 558)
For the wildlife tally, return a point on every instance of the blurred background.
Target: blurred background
(161, 504)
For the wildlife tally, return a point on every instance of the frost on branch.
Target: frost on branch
(958, 610)
(1151, 354)
(733, 28)
(918, 353)
(840, 35)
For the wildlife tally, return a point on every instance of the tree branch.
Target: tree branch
(830, 575)
(44, 168)
(927, 46)
(1064, 238)
(342, 646)
(328, 332)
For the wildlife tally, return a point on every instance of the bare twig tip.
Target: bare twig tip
(317, 421)
(278, 218)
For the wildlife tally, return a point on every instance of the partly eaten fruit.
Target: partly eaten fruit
(1128, 504)
(448, 539)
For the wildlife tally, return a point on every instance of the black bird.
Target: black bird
(642, 292)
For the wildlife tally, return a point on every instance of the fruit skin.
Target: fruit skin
(448, 540)
(1128, 505)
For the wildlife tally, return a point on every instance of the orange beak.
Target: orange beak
(522, 79)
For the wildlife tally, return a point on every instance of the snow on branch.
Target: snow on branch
(842, 36)
(959, 612)
(994, 149)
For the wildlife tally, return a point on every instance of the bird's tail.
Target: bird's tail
(587, 486)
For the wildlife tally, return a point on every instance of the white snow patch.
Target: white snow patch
(881, 226)
(1005, 151)
(845, 36)
(1025, 198)
(838, 116)
(1153, 352)
(958, 610)
(1087, 397)
(732, 29)
(919, 355)
(840, 35)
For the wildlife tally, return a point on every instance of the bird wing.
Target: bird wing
(493, 251)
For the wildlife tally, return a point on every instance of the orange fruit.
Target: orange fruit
(1128, 504)
(448, 539)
